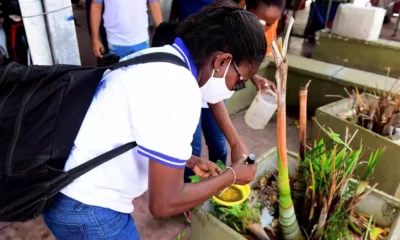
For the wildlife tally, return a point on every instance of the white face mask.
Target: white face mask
(215, 89)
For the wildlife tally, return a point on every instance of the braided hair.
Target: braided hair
(224, 26)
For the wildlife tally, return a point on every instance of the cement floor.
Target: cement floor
(257, 142)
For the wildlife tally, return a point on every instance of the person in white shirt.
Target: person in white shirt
(158, 105)
(126, 23)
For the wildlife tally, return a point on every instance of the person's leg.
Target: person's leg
(215, 138)
(196, 150)
(71, 219)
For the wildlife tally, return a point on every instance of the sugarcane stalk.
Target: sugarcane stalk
(287, 217)
(303, 120)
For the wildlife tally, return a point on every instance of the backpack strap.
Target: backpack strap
(148, 58)
(97, 161)
(145, 58)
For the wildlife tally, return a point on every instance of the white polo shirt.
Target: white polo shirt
(126, 21)
(155, 104)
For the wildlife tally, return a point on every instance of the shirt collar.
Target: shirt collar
(180, 46)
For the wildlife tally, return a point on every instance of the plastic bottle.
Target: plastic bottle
(261, 110)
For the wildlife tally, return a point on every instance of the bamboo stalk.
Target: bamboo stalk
(287, 217)
(303, 120)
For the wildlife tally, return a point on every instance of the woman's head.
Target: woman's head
(266, 10)
(224, 41)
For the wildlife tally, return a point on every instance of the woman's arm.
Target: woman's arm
(168, 195)
(221, 115)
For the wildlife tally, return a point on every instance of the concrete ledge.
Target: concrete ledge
(371, 56)
(327, 79)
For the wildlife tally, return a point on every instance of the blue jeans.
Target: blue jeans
(123, 51)
(215, 140)
(72, 220)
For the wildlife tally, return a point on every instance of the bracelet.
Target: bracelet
(234, 174)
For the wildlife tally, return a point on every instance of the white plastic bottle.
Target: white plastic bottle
(261, 110)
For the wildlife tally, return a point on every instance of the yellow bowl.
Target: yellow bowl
(245, 189)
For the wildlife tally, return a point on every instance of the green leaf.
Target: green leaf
(195, 178)
(221, 165)
(373, 160)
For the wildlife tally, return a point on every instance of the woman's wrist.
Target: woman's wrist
(234, 174)
(229, 177)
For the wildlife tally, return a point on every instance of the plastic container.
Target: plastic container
(358, 22)
(244, 189)
(261, 110)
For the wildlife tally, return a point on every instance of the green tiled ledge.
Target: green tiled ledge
(371, 56)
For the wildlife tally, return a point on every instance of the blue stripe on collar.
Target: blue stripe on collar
(180, 46)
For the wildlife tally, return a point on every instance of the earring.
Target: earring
(217, 70)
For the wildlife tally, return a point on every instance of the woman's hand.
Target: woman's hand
(244, 172)
(263, 84)
(203, 168)
(239, 152)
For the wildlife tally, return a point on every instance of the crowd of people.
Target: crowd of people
(165, 108)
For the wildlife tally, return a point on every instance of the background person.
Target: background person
(126, 24)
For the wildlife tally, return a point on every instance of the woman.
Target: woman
(158, 106)
(269, 11)
(215, 123)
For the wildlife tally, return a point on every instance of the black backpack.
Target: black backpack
(41, 111)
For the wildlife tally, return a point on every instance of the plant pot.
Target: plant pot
(206, 227)
(387, 171)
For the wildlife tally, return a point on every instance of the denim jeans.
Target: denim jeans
(215, 140)
(72, 220)
(123, 51)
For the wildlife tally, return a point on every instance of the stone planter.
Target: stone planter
(206, 227)
(327, 79)
(370, 56)
(387, 171)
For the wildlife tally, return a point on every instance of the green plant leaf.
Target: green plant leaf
(221, 165)
(373, 160)
(195, 178)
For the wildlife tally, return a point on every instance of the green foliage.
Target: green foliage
(328, 170)
(181, 235)
(221, 165)
(337, 224)
(238, 216)
(373, 160)
(195, 178)
(327, 161)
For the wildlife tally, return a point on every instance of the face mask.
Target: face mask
(215, 89)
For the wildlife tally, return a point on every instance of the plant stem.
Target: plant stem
(287, 217)
(303, 120)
